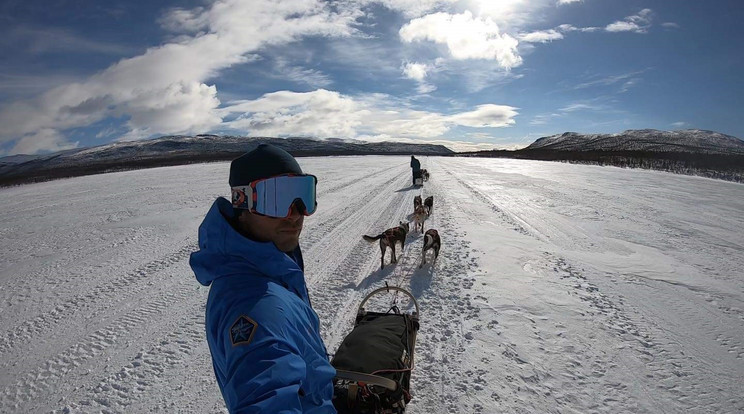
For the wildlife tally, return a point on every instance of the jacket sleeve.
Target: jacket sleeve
(263, 376)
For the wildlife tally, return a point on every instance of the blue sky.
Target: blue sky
(471, 74)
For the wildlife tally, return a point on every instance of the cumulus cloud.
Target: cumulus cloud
(165, 89)
(465, 36)
(418, 72)
(322, 113)
(43, 139)
(415, 71)
(638, 23)
(543, 36)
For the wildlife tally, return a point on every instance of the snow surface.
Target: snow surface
(559, 289)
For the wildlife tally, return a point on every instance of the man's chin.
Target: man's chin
(287, 246)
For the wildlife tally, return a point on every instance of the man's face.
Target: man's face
(283, 232)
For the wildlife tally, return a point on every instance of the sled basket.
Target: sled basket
(374, 362)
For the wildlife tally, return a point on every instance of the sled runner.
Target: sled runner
(374, 362)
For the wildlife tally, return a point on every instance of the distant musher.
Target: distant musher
(415, 168)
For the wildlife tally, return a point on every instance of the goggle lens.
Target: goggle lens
(274, 196)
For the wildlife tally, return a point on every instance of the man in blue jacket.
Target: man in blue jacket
(263, 334)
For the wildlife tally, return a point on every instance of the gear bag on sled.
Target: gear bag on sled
(418, 178)
(374, 362)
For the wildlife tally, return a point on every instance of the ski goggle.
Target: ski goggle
(274, 196)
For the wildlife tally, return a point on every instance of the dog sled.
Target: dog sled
(374, 362)
(418, 178)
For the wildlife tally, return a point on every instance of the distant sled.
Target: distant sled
(374, 362)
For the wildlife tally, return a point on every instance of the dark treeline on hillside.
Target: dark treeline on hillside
(161, 160)
(723, 167)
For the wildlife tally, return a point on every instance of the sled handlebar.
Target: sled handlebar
(387, 289)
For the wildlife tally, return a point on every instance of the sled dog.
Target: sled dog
(388, 238)
(416, 202)
(429, 205)
(431, 241)
(425, 174)
(419, 216)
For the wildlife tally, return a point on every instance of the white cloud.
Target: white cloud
(570, 28)
(638, 23)
(680, 124)
(164, 90)
(312, 77)
(324, 114)
(543, 119)
(488, 115)
(415, 71)
(424, 88)
(465, 37)
(412, 8)
(577, 107)
(320, 113)
(543, 36)
(508, 14)
(180, 20)
(418, 72)
(670, 25)
(568, 1)
(43, 139)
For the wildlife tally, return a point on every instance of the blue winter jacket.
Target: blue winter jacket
(264, 336)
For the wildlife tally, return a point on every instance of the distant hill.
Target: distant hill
(694, 152)
(690, 141)
(175, 150)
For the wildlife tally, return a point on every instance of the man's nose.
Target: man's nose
(295, 211)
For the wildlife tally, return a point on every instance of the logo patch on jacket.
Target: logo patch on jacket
(241, 332)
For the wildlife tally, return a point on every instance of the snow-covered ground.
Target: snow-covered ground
(559, 288)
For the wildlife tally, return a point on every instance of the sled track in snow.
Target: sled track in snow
(107, 292)
(443, 337)
(340, 219)
(51, 374)
(682, 370)
(57, 272)
(517, 224)
(357, 258)
(363, 175)
(148, 370)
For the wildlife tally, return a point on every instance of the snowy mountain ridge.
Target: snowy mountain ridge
(181, 149)
(688, 141)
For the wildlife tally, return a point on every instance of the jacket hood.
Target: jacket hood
(224, 252)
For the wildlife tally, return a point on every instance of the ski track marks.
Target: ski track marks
(334, 276)
(440, 381)
(141, 345)
(660, 368)
(104, 294)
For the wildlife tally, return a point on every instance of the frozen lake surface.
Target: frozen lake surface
(559, 288)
